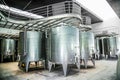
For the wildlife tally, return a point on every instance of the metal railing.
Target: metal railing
(57, 8)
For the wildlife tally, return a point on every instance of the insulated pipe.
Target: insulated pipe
(19, 12)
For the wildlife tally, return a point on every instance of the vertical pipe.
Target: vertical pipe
(25, 40)
(103, 46)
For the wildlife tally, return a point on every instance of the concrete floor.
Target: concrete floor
(104, 70)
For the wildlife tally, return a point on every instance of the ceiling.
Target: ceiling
(115, 4)
(31, 4)
(94, 18)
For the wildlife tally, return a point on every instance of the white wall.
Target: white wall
(101, 8)
(110, 25)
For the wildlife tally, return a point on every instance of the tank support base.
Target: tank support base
(27, 65)
(86, 60)
(50, 66)
(65, 66)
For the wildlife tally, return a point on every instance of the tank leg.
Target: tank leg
(106, 56)
(50, 65)
(27, 66)
(2, 58)
(19, 64)
(43, 63)
(98, 57)
(36, 63)
(93, 61)
(81, 61)
(54, 65)
(13, 58)
(65, 66)
(78, 64)
(117, 56)
(85, 63)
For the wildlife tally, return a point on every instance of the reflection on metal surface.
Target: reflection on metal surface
(30, 48)
(63, 46)
(8, 48)
(87, 46)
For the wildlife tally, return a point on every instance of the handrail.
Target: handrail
(57, 8)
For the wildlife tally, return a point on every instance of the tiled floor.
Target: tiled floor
(104, 70)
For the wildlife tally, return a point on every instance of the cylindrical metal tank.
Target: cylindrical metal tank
(99, 49)
(107, 46)
(7, 48)
(118, 53)
(98, 53)
(118, 42)
(0, 45)
(118, 69)
(87, 46)
(30, 47)
(118, 46)
(63, 46)
(97, 45)
(113, 46)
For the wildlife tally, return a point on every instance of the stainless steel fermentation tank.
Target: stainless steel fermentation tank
(87, 48)
(97, 47)
(103, 46)
(113, 46)
(7, 48)
(107, 46)
(118, 43)
(118, 69)
(63, 47)
(29, 48)
(118, 63)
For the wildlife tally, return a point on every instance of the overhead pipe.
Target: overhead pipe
(19, 12)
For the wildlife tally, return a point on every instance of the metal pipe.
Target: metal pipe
(19, 12)
(103, 47)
